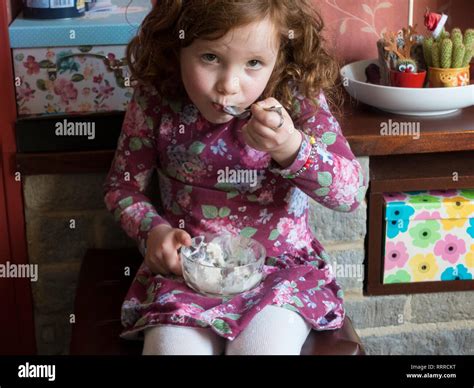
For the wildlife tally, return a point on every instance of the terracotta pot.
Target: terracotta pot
(407, 80)
(448, 78)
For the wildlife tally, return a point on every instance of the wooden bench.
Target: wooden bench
(102, 283)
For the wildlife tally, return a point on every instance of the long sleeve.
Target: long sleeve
(132, 168)
(335, 179)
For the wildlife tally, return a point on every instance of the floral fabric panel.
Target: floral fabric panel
(81, 79)
(429, 236)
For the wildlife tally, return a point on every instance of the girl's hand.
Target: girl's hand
(261, 132)
(162, 249)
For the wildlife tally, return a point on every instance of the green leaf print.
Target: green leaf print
(145, 224)
(224, 212)
(135, 144)
(297, 301)
(361, 194)
(176, 209)
(322, 192)
(41, 85)
(201, 323)
(175, 105)
(117, 214)
(221, 326)
(147, 143)
(174, 292)
(197, 147)
(197, 306)
(296, 107)
(142, 321)
(143, 280)
(290, 307)
(232, 316)
(19, 57)
(232, 194)
(248, 232)
(252, 198)
(324, 178)
(224, 186)
(209, 211)
(329, 138)
(274, 234)
(77, 77)
(126, 202)
(188, 188)
(342, 208)
(150, 123)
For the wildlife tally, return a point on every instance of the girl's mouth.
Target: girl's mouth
(218, 107)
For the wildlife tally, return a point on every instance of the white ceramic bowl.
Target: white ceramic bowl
(405, 101)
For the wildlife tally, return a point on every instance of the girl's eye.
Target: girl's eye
(253, 61)
(209, 57)
(411, 67)
(402, 67)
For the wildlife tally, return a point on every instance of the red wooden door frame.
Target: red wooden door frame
(17, 334)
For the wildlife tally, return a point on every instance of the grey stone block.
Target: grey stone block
(365, 163)
(64, 192)
(52, 333)
(330, 225)
(55, 290)
(348, 268)
(50, 238)
(376, 311)
(442, 307)
(445, 342)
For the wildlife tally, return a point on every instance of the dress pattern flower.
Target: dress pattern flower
(271, 209)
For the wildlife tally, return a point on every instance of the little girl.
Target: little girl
(190, 59)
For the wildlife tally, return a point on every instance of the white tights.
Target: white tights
(273, 331)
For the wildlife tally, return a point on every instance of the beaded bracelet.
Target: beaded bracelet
(308, 162)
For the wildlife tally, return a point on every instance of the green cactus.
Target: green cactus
(446, 53)
(435, 53)
(467, 56)
(458, 55)
(469, 38)
(456, 36)
(427, 52)
(453, 50)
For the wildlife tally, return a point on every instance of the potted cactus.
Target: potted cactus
(405, 71)
(448, 57)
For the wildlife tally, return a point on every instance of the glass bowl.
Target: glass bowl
(222, 264)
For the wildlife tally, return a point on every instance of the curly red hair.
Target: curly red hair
(153, 55)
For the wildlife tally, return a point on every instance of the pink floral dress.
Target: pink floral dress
(188, 152)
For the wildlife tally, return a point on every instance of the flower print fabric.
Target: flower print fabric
(190, 154)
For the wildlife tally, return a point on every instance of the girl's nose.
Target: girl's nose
(229, 85)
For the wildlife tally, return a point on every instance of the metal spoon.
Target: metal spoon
(234, 111)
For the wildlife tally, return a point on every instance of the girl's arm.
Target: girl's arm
(132, 169)
(335, 178)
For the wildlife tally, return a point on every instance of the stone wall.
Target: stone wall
(65, 215)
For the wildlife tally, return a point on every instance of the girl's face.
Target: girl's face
(233, 70)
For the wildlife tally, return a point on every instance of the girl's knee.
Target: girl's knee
(180, 340)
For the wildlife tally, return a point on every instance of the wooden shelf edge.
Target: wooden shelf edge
(64, 162)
